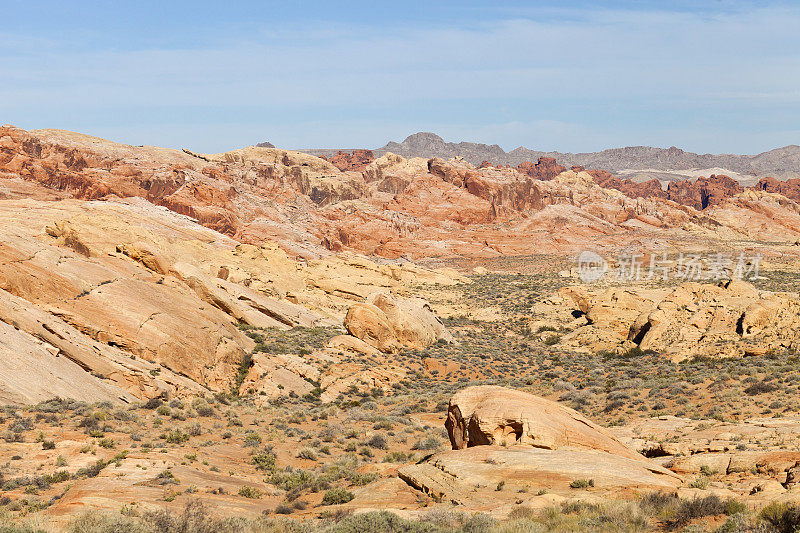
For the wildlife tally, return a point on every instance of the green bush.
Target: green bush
(247, 491)
(264, 460)
(307, 453)
(337, 496)
(783, 517)
(175, 436)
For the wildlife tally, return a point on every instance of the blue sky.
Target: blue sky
(715, 77)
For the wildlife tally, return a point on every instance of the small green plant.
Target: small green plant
(581, 483)
(264, 460)
(337, 496)
(307, 453)
(175, 436)
(246, 491)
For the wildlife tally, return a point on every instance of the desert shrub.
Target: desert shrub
(292, 479)
(282, 508)
(398, 457)
(247, 491)
(56, 477)
(378, 442)
(99, 522)
(307, 453)
(380, 522)
(428, 443)
(581, 483)
(252, 439)
(552, 340)
(89, 422)
(743, 523)
(300, 505)
(125, 416)
(655, 503)
(698, 507)
(175, 436)
(336, 496)
(48, 445)
(166, 477)
(783, 517)
(760, 387)
(700, 483)
(264, 460)
(10, 436)
(478, 523)
(329, 433)
(194, 518)
(205, 410)
(91, 470)
(383, 423)
(152, 403)
(58, 405)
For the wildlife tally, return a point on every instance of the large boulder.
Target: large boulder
(507, 442)
(390, 322)
(492, 415)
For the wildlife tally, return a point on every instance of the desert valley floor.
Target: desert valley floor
(264, 340)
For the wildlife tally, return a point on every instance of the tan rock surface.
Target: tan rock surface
(500, 435)
(452, 475)
(492, 415)
(116, 281)
(388, 322)
(690, 319)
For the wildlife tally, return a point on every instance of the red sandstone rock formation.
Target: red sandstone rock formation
(354, 162)
(789, 188)
(394, 208)
(545, 169)
(647, 189)
(704, 192)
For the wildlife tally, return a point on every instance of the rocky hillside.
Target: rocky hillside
(395, 207)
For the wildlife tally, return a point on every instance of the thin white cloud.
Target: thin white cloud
(645, 59)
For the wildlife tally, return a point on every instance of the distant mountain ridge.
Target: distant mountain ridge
(780, 162)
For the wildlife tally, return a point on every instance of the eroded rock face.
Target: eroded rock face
(703, 192)
(688, 320)
(355, 161)
(395, 207)
(647, 189)
(389, 323)
(454, 475)
(505, 436)
(789, 188)
(492, 415)
(141, 302)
